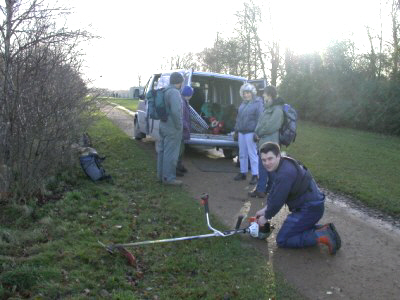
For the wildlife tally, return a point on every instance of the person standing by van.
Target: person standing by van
(187, 93)
(249, 111)
(267, 130)
(170, 133)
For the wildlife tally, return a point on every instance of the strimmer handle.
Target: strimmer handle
(252, 219)
(239, 221)
(204, 201)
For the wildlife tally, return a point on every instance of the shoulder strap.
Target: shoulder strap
(302, 183)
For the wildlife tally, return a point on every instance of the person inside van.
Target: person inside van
(197, 99)
(246, 121)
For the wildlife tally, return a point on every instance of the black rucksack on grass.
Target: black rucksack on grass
(91, 165)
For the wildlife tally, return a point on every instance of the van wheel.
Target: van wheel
(137, 134)
(228, 153)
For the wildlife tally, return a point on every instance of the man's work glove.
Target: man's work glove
(255, 138)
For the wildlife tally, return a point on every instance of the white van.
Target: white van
(213, 108)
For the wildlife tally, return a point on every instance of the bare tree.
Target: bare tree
(249, 20)
(275, 62)
(395, 36)
(42, 107)
(180, 61)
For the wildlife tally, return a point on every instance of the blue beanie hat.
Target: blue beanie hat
(187, 91)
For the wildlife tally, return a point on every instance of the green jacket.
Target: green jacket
(269, 123)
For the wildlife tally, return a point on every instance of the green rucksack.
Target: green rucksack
(156, 107)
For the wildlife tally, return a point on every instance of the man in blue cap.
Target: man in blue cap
(170, 133)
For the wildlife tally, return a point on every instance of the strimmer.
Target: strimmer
(253, 229)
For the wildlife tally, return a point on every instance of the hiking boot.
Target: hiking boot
(328, 235)
(240, 176)
(254, 179)
(173, 182)
(179, 173)
(332, 227)
(337, 236)
(254, 193)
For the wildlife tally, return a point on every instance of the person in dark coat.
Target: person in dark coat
(294, 186)
(170, 133)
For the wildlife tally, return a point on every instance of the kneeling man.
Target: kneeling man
(293, 185)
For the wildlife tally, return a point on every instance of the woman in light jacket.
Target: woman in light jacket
(249, 111)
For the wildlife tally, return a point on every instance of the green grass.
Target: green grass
(130, 104)
(51, 251)
(363, 165)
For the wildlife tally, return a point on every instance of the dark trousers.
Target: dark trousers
(298, 230)
(262, 177)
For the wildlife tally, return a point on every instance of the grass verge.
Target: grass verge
(51, 251)
(361, 164)
(130, 104)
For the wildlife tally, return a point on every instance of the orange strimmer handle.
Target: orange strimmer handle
(204, 201)
(252, 219)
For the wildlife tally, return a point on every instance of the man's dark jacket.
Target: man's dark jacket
(283, 180)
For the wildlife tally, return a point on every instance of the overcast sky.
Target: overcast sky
(137, 36)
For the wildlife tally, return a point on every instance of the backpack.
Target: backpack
(302, 184)
(287, 132)
(156, 108)
(91, 165)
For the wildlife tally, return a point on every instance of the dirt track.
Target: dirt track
(367, 266)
